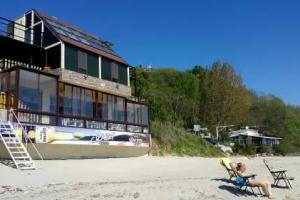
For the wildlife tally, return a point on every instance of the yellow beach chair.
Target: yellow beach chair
(229, 166)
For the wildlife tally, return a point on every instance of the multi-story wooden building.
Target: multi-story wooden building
(69, 90)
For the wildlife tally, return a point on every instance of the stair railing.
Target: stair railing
(27, 138)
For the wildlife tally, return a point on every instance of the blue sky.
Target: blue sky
(260, 38)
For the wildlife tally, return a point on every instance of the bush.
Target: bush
(244, 150)
(265, 149)
(168, 139)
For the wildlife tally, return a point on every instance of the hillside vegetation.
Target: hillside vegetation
(210, 96)
(171, 140)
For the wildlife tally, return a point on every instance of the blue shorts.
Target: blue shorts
(240, 180)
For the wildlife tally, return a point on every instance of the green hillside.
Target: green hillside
(210, 96)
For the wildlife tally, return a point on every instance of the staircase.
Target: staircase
(15, 147)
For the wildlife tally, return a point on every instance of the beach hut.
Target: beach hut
(248, 136)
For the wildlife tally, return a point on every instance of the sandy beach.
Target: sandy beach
(139, 178)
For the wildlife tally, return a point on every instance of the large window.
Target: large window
(37, 92)
(78, 106)
(81, 61)
(47, 91)
(83, 107)
(76, 101)
(137, 113)
(113, 71)
(116, 108)
(87, 100)
(28, 91)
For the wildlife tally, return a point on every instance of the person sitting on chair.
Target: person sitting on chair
(241, 180)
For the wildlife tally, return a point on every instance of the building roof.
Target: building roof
(74, 36)
(250, 133)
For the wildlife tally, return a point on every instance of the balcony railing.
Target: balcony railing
(6, 63)
(15, 31)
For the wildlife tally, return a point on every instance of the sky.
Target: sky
(260, 38)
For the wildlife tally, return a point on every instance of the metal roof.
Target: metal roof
(250, 133)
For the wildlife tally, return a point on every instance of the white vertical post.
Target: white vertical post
(100, 66)
(128, 77)
(62, 56)
(31, 26)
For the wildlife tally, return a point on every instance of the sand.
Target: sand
(139, 178)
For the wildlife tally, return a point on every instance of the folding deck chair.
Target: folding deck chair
(279, 174)
(229, 166)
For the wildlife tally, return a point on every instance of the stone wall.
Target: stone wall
(92, 82)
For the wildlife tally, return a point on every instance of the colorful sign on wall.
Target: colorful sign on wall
(70, 135)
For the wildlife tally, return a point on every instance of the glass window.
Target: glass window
(71, 58)
(37, 92)
(76, 101)
(93, 65)
(3, 78)
(130, 113)
(137, 113)
(110, 107)
(145, 115)
(36, 19)
(67, 99)
(87, 103)
(48, 93)
(28, 19)
(114, 72)
(102, 106)
(49, 38)
(105, 69)
(12, 81)
(119, 109)
(37, 35)
(12, 85)
(82, 61)
(116, 108)
(28, 91)
(123, 74)
(3, 82)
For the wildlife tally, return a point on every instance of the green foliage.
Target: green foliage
(212, 96)
(266, 149)
(171, 140)
(247, 150)
(277, 119)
